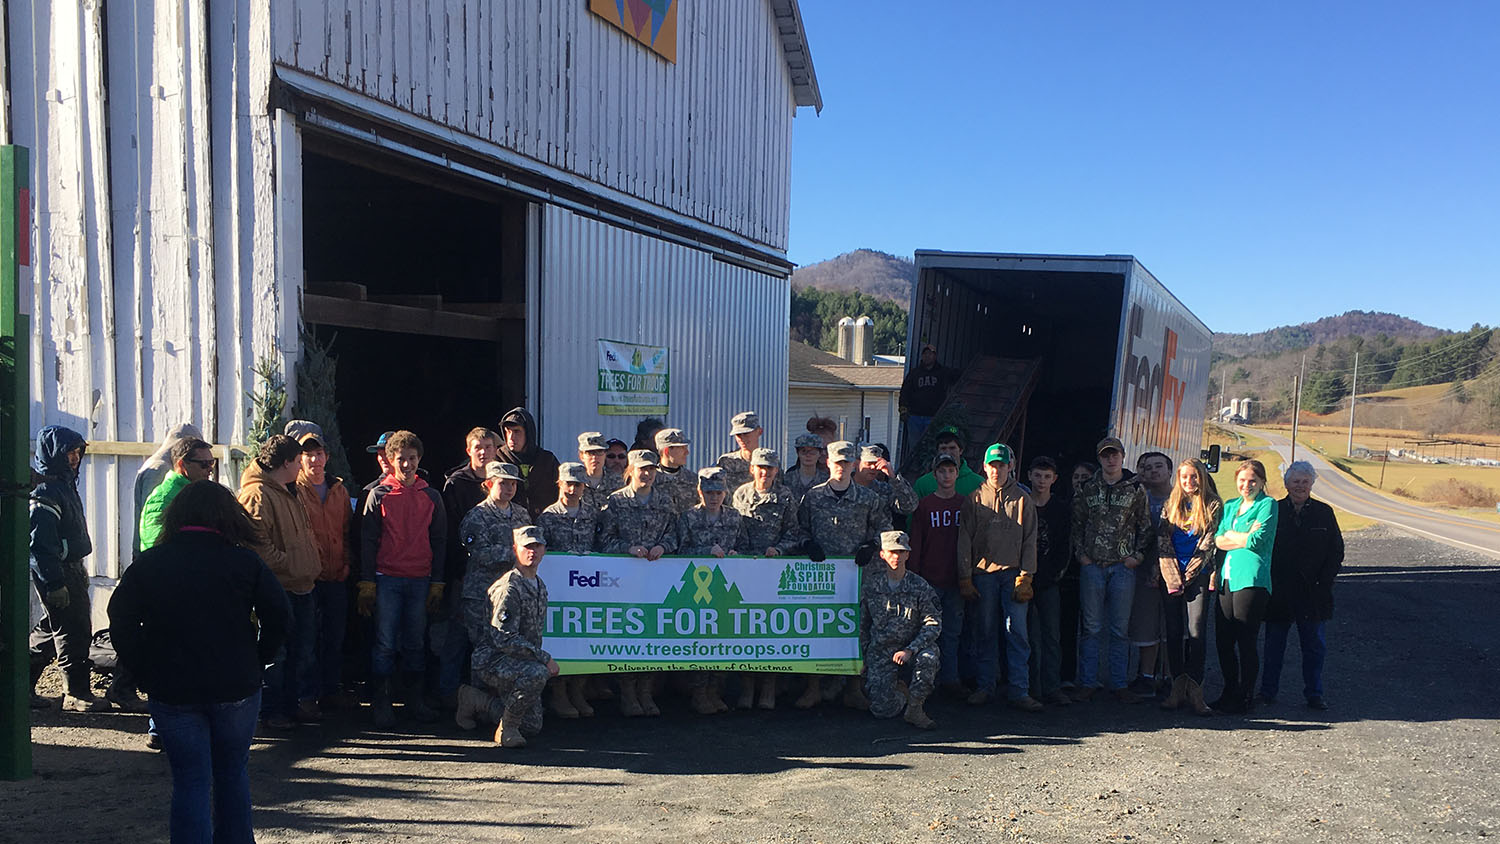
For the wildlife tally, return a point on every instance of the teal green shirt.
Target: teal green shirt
(156, 507)
(968, 481)
(1251, 565)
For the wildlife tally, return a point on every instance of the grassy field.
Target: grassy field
(1254, 447)
(1416, 480)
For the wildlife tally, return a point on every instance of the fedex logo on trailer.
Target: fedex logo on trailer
(1150, 386)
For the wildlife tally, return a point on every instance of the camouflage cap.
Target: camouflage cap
(808, 441)
(528, 535)
(643, 457)
(591, 441)
(669, 437)
(744, 422)
(944, 458)
(765, 457)
(998, 453)
(713, 479)
(496, 471)
(574, 473)
(302, 430)
(894, 540)
(842, 451)
(871, 453)
(1109, 443)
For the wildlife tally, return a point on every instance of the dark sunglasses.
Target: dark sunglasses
(207, 464)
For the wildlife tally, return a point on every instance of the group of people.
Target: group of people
(987, 583)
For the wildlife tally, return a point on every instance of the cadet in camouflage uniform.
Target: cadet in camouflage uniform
(710, 528)
(509, 659)
(673, 478)
(838, 516)
(874, 469)
(769, 509)
(601, 482)
(746, 430)
(639, 522)
(899, 626)
(486, 534)
(569, 525)
(810, 469)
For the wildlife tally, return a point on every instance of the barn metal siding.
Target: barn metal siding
(843, 405)
(156, 279)
(725, 326)
(708, 137)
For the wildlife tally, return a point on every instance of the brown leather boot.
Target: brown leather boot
(1178, 695)
(576, 696)
(559, 702)
(1195, 698)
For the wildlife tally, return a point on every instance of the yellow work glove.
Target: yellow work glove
(1023, 591)
(434, 598)
(364, 601)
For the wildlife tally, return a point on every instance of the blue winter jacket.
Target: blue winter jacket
(59, 533)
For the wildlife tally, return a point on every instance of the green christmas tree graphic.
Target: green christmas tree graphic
(697, 590)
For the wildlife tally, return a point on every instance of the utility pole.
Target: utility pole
(1353, 397)
(1296, 406)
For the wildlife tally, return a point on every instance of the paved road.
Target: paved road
(1343, 492)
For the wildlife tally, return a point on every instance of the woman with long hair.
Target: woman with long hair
(195, 618)
(1186, 554)
(1247, 531)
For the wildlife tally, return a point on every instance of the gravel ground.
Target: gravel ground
(1408, 752)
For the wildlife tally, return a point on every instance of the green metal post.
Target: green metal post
(15, 472)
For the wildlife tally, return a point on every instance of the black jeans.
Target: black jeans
(1067, 625)
(1240, 615)
(1187, 630)
(66, 634)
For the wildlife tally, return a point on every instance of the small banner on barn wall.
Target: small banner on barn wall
(609, 615)
(651, 22)
(633, 379)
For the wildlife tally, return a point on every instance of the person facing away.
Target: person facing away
(194, 619)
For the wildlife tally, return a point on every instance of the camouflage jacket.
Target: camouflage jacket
(518, 617)
(770, 519)
(1111, 521)
(896, 616)
(736, 469)
(698, 533)
(486, 534)
(680, 487)
(569, 534)
(840, 524)
(627, 520)
(596, 492)
(800, 485)
(896, 493)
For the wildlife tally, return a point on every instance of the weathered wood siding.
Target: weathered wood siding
(156, 255)
(708, 137)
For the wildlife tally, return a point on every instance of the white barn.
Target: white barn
(461, 196)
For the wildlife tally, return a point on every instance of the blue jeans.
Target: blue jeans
(208, 748)
(331, 600)
(400, 619)
(1107, 592)
(1044, 636)
(452, 646)
(994, 604)
(952, 604)
(293, 676)
(1314, 649)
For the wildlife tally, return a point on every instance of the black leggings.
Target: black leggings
(1240, 614)
(1187, 629)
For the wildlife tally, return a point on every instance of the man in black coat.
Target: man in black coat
(1308, 553)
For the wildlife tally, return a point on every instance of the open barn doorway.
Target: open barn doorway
(416, 281)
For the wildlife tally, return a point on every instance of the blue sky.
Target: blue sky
(1270, 163)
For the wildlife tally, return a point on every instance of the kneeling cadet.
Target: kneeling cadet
(899, 631)
(509, 659)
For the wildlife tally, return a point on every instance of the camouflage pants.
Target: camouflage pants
(882, 675)
(517, 685)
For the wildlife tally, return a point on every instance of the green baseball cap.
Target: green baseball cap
(998, 453)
